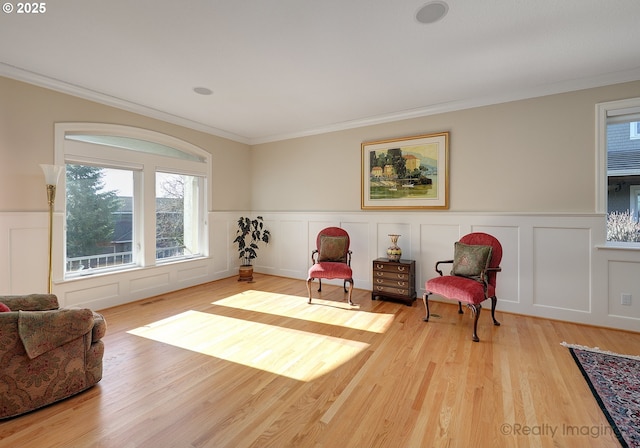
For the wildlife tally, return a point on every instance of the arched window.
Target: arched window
(133, 198)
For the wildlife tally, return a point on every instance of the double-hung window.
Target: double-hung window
(134, 198)
(618, 133)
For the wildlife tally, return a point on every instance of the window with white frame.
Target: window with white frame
(634, 201)
(619, 169)
(134, 198)
(634, 130)
(177, 212)
(99, 218)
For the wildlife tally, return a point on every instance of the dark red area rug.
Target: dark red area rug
(614, 380)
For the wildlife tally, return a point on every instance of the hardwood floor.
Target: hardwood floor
(235, 364)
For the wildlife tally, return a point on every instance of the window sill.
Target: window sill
(619, 246)
(96, 273)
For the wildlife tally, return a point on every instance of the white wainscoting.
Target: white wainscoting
(25, 256)
(554, 266)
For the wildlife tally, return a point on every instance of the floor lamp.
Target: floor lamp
(51, 176)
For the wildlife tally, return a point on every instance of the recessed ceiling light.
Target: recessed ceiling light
(432, 12)
(202, 91)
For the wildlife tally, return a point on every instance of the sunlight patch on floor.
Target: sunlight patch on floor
(292, 353)
(321, 311)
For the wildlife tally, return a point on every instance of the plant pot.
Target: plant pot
(245, 274)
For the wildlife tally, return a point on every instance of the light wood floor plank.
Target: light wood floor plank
(235, 364)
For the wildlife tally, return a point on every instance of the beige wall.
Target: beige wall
(535, 155)
(27, 117)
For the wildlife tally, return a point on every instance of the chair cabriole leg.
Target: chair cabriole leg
(425, 300)
(494, 300)
(309, 288)
(350, 291)
(476, 315)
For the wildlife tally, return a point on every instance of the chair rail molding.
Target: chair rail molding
(554, 266)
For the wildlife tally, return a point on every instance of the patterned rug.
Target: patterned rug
(614, 381)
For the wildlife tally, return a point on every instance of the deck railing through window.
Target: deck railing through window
(84, 265)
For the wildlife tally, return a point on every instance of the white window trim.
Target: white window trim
(604, 110)
(61, 158)
(634, 130)
(634, 192)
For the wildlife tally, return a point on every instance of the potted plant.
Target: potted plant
(250, 232)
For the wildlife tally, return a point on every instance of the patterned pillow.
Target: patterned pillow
(4, 308)
(332, 248)
(470, 261)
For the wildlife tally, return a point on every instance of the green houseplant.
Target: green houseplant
(250, 232)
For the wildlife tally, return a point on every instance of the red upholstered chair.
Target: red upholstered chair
(476, 263)
(331, 259)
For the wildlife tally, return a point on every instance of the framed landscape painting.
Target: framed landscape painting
(406, 173)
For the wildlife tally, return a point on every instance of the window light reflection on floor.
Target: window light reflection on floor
(282, 350)
(322, 311)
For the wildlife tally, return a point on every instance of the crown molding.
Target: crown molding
(533, 92)
(57, 85)
(528, 93)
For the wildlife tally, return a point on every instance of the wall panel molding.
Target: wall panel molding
(554, 265)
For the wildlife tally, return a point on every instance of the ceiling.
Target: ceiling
(286, 68)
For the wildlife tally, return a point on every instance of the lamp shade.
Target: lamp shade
(51, 173)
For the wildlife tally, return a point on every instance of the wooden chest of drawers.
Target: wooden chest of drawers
(394, 280)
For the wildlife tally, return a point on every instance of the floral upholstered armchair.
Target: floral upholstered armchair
(46, 353)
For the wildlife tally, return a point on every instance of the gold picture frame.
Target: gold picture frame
(406, 173)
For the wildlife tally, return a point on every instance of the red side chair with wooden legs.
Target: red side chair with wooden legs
(331, 259)
(476, 263)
